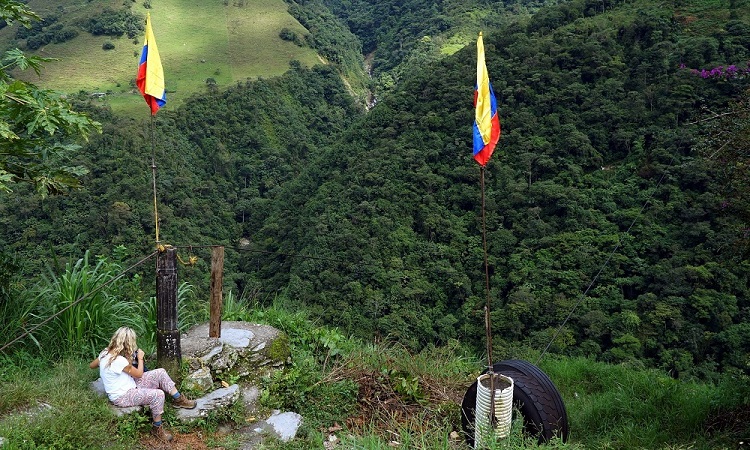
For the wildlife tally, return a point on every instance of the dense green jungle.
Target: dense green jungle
(616, 200)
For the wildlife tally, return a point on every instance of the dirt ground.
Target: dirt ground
(181, 441)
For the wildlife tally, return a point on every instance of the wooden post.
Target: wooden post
(168, 351)
(217, 278)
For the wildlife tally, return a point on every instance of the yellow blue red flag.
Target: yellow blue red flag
(486, 120)
(150, 79)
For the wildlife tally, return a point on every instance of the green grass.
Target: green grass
(197, 39)
(52, 407)
(414, 398)
(617, 406)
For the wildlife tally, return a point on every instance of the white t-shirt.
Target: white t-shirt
(116, 382)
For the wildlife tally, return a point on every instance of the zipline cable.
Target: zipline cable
(77, 301)
(606, 262)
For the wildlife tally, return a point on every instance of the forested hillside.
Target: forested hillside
(404, 35)
(396, 31)
(605, 148)
(617, 164)
(218, 163)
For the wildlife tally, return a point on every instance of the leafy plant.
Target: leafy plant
(331, 341)
(31, 117)
(132, 424)
(85, 312)
(406, 384)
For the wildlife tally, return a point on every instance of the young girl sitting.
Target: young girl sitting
(127, 385)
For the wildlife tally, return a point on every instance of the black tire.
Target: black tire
(535, 396)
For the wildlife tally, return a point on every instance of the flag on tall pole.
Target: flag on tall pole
(486, 120)
(150, 79)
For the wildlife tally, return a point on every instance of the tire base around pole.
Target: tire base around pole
(535, 396)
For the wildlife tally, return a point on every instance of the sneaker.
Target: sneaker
(161, 434)
(183, 402)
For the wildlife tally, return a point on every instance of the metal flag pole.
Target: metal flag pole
(487, 319)
(153, 176)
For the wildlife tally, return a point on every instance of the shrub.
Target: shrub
(288, 35)
(35, 42)
(108, 45)
(35, 28)
(115, 23)
(64, 34)
(46, 31)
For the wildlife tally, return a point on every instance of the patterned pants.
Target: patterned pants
(149, 390)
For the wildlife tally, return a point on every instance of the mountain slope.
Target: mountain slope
(224, 41)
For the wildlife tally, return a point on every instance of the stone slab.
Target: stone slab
(220, 398)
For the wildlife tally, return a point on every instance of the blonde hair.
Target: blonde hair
(122, 343)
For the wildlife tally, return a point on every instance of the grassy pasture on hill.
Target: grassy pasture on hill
(197, 39)
(708, 17)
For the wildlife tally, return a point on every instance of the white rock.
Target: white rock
(285, 425)
(236, 337)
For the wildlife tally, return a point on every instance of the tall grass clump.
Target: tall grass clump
(17, 316)
(624, 407)
(17, 304)
(87, 305)
(190, 310)
(234, 308)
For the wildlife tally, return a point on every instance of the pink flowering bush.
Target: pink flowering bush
(730, 72)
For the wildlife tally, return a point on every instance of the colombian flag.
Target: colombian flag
(486, 121)
(150, 79)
